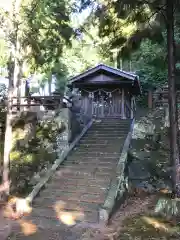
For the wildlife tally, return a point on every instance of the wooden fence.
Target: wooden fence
(35, 103)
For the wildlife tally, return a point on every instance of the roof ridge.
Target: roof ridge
(107, 68)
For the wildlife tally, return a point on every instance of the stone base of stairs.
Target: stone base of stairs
(80, 186)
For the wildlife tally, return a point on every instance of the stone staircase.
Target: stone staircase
(82, 181)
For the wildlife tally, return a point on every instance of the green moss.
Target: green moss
(28, 158)
(32, 156)
(15, 155)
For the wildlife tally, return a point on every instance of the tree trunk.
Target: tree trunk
(8, 130)
(49, 84)
(150, 99)
(172, 92)
(119, 61)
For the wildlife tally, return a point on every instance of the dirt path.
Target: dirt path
(133, 206)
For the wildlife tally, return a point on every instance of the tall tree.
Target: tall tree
(35, 32)
(170, 7)
(128, 22)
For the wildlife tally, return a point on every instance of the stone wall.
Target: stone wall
(63, 138)
(149, 152)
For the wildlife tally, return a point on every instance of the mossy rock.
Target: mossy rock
(139, 155)
(137, 170)
(158, 164)
(139, 144)
(168, 207)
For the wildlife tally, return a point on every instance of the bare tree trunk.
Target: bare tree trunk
(172, 92)
(8, 130)
(119, 61)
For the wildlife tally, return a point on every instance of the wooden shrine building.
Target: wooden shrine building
(106, 92)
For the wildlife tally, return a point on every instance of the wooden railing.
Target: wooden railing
(34, 103)
(161, 97)
(130, 109)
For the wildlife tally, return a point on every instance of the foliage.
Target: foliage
(48, 31)
(150, 64)
(3, 92)
(126, 24)
(33, 151)
(85, 51)
(135, 31)
(3, 54)
(36, 33)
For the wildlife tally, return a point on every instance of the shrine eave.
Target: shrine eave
(115, 77)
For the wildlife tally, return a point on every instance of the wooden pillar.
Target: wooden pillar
(122, 105)
(132, 107)
(150, 99)
(102, 107)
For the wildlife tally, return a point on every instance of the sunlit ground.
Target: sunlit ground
(27, 227)
(66, 217)
(141, 227)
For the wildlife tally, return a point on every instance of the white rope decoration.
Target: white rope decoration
(102, 90)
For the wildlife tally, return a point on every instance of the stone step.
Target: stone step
(65, 196)
(51, 214)
(80, 175)
(99, 145)
(107, 138)
(96, 162)
(113, 121)
(76, 169)
(90, 157)
(108, 128)
(89, 174)
(105, 134)
(67, 206)
(90, 168)
(102, 154)
(100, 141)
(43, 223)
(93, 161)
(81, 182)
(48, 232)
(93, 149)
(109, 144)
(110, 147)
(110, 125)
(93, 154)
(77, 189)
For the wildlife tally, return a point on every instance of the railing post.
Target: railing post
(122, 105)
(132, 107)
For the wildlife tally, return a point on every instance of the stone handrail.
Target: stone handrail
(117, 181)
